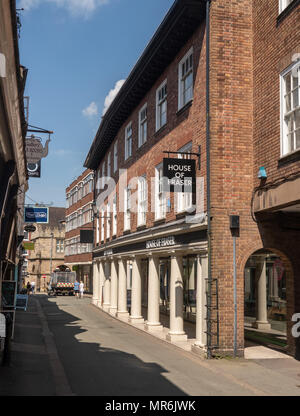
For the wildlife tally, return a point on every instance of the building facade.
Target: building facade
(79, 216)
(13, 171)
(211, 87)
(49, 249)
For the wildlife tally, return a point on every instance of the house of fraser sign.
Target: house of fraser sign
(179, 175)
(161, 242)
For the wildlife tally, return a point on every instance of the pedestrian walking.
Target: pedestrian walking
(81, 289)
(76, 288)
(28, 287)
(32, 287)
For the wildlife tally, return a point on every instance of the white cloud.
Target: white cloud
(91, 110)
(112, 94)
(75, 7)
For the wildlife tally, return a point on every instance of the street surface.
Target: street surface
(65, 346)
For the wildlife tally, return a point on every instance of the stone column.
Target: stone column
(101, 283)
(114, 288)
(122, 289)
(261, 276)
(136, 292)
(202, 273)
(176, 332)
(106, 289)
(153, 323)
(95, 284)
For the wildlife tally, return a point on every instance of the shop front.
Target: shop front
(155, 280)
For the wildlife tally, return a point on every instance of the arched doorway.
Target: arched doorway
(266, 276)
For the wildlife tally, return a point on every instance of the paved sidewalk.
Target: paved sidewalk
(41, 366)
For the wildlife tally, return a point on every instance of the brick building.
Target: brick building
(211, 86)
(79, 216)
(48, 253)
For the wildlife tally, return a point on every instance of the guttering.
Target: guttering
(209, 276)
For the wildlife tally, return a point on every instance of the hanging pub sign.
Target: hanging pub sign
(35, 151)
(179, 175)
(27, 245)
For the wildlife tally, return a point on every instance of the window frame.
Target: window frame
(284, 141)
(183, 102)
(143, 122)
(159, 103)
(128, 139)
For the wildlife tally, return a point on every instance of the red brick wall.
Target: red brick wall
(188, 125)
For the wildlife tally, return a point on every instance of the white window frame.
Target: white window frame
(102, 224)
(159, 103)
(184, 199)
(107, 221)
(182, 99)
(128, 141)
(143, 125)
(116, 156)
(115, 216)
(160, 197)
(127, 208)
(283, 4)
(290, 115)
(142, 200)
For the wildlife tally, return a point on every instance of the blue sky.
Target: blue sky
(77, 51)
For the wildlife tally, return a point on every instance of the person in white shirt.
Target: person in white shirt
(81, 289)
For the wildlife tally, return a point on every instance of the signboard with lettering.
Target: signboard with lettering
(36, 214)
(161, 242)
(27, 245)
(179, 175)
(34, 169)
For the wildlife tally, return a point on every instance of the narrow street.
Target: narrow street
(65, 346)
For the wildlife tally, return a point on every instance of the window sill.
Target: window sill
(141, 227)
(287, 11)
(159, 221)
(185, 107)
(289, 158)
(160, 130)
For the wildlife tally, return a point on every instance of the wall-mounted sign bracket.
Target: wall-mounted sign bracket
(188, 154)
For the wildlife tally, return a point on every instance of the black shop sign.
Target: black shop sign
(179, 175)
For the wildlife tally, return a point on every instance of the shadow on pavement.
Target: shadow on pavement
(90, 369)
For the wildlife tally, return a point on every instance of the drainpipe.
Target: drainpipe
(209, 277)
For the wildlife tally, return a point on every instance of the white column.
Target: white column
(202, 272)
(122, 289)
(261, 319)
(101, 283)
(114, 288)
(95, 284)
(136, 292)
(106, 289)
(176, 332)
(153, 323)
